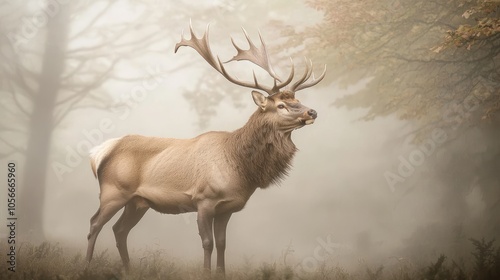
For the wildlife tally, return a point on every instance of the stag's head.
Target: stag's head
(280, 104)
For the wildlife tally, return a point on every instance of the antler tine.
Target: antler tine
(288, 80)
(257, 56)
(313, 82)
(255, 85)
(201, 45)
(305, 77)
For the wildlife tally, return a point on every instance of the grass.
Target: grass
(52, 261)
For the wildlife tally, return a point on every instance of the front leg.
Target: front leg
(205, 221)
(220, 225)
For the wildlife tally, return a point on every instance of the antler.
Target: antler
(301, 83)
(255, 55)
(258, 56)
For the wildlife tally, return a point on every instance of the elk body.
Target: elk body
(213, 174)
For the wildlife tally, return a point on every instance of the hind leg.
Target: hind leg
(134, 211)
(111, 202)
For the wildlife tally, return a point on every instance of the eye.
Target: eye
(281, 106)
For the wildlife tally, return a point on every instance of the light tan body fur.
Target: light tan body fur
(213, 174)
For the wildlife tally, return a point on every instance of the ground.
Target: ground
(53, 261)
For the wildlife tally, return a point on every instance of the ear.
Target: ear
(259, 99)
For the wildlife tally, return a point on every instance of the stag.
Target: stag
(213, 174)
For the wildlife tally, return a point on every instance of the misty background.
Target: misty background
(402, 162)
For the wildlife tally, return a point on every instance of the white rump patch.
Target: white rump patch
(98, 153)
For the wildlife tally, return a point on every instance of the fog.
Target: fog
(337, 192)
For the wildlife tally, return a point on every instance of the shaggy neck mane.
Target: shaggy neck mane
(260, 152)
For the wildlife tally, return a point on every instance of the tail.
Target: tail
(99, 153)
(93, 165)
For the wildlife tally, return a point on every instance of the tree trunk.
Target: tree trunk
(32, 192)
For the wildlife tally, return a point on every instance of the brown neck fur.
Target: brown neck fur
(260, 152)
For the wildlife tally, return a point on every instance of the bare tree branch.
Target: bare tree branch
(75, 70)
(12, 146)
(87, 28)
(79, 95)
(21, 107)
(7, 154)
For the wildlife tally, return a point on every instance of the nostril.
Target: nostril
(312, 113)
